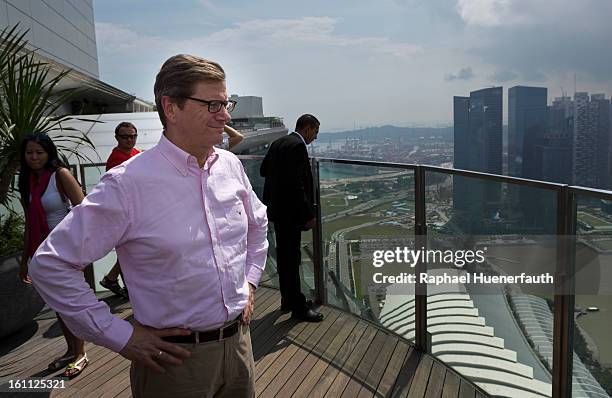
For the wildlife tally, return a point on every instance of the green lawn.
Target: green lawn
(593, 221)
(331, 226)
(379, 230)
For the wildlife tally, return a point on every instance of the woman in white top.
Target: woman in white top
(47, 189)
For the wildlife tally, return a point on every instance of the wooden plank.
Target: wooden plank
(91, 372)
(351, 365)
(323, 374)
(373, 368)
(127, 393)
(353, 355)
(117, 384)
(34, 340)
(33, 347)
(266, 317)
(270, 381)
(105, 381)
(421, 376)
(466, 390)
(406, 374)
(436, 381)
(263, 298)
(267, 351)
(392, 371)
(303, 361)
(340, 355)
(451, 385)
(266, 348)
(108, 371)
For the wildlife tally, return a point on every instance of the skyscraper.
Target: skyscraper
(556, 146)
(477, 147)
(591, 116)
(527, 119)
(602, 154)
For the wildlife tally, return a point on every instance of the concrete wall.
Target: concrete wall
(62, 30)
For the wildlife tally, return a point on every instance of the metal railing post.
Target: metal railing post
(88, 271)
(83, 182)
(563, 324)
(317, 239)
(420, 234)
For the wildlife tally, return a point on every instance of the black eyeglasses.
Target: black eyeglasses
(215, 106)
(127, 136)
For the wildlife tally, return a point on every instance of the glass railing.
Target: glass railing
(251, 167)
(363, 208)
(90, 175)
(493, 333)
(592, 358)
(513, 339)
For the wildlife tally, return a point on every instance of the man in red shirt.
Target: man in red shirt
(125, 134)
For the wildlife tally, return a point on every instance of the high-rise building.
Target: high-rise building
(63, 34)
(461, 131)
(527, 120)
(477, 147)
(602, 154)
(585, 141)
(556, 146)
(555, 149)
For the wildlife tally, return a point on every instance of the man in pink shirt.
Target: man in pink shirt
(190, 234)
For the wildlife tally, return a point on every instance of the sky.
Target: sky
(361, 63)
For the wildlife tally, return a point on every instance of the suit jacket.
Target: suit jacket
(288, 189)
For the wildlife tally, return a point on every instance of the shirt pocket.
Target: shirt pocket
(229, 195)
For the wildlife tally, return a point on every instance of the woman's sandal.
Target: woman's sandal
(75, 368)
(60, 362)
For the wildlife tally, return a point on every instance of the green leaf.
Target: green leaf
(30, 99)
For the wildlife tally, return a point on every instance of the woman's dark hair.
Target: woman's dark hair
(53, 162)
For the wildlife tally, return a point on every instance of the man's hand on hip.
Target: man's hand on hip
(248, 310)
(147, 347)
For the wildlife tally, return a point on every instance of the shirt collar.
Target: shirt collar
(180, 159)
(300, 135)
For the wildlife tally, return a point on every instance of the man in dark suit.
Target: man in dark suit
(289, 195)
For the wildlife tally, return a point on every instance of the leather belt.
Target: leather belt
(208, 335)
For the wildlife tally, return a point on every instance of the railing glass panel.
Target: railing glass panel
(494, 332)
(251, 167)
(592, 357)
(365, 209)
(91, 174)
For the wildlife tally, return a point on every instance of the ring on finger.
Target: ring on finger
(160, 353)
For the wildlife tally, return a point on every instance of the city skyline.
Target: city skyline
(394, 62)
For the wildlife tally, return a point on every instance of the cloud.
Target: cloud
(463, 74)
(540, 40)
(315, 31)
(503, 76)
(491, 12)
(261, 33)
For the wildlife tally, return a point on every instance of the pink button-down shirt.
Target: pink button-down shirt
(189, 241)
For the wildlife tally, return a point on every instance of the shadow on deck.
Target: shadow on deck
(342, 356)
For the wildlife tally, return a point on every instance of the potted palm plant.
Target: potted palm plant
(29, 102)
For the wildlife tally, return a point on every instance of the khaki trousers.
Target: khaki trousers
(215, 369)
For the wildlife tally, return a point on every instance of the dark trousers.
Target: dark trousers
(288, 259)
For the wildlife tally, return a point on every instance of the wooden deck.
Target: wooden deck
(342, 356)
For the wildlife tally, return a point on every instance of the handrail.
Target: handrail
(566, 200)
